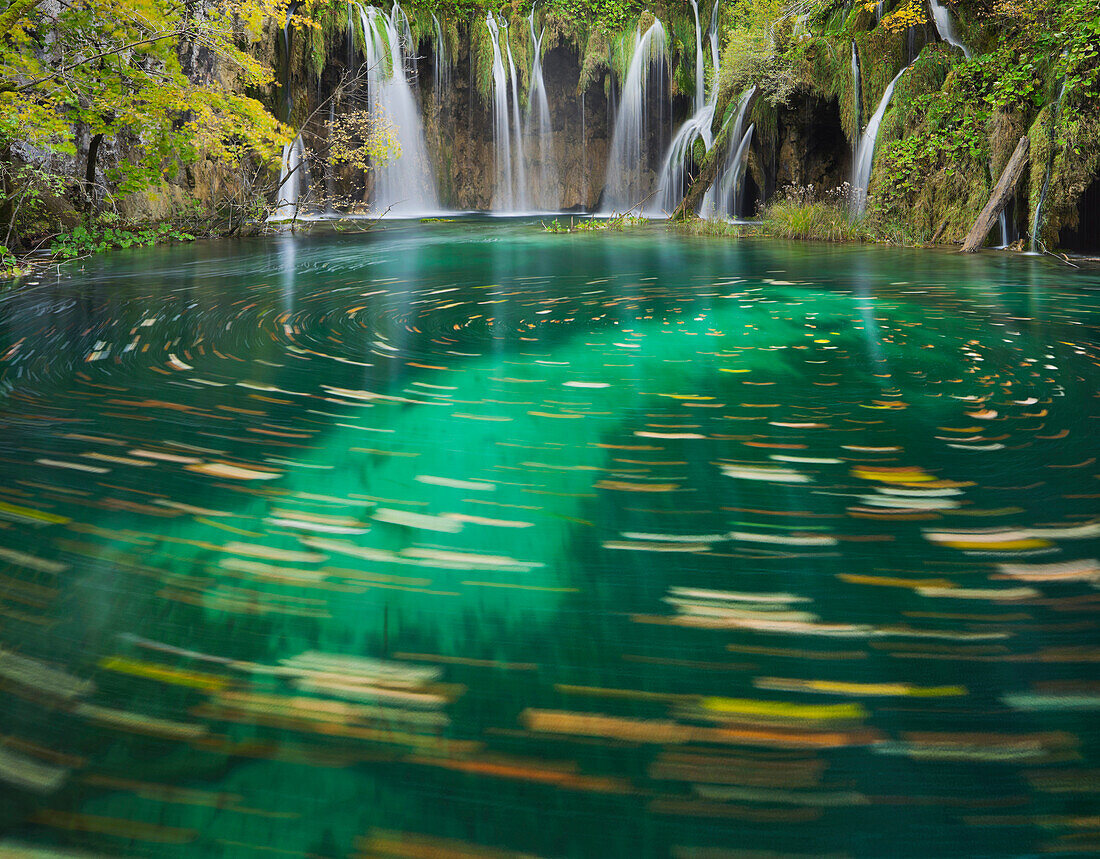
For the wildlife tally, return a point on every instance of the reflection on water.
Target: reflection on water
(471, 540)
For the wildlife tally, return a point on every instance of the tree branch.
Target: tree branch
(121, 49)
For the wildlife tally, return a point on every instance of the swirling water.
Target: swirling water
(468, 539)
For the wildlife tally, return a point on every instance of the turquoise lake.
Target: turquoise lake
(471, 540)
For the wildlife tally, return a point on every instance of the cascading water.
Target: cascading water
(865, 156)
(400, 22)
(626, 184)
(700, 76)
(510, 188)
(1037, 221)
(406, 185)
(292, 178)
(670, 184)
(503, 195)
(725, 196)
(545, 177)
(442, 66)
(292, 170)
(734, 192)
(946, 28)
(521, 197)
(715, 59)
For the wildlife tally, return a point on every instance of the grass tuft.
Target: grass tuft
(819, 221)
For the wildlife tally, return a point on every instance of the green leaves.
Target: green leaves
(114, 67)
(82, 240)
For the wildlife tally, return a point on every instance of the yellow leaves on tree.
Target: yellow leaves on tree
(363, 139)
(909, 14)
(166, 77)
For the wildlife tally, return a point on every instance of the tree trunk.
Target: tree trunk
(709, 168)
(7, 206)
(1002, 191)
(89, 170)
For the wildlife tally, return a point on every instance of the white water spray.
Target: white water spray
(670, 184)
(510, 188)
(406, 185)
(521, 198)
(945, 27)
(626, 184)
(865, 156)
(292, 178)
(726, 195)
(545, 176)
(442, 66)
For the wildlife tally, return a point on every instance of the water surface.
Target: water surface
(466, 539)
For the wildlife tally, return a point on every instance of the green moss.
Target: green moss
(595, 60)
(681, 48)
(1071, 146)
(1043, 143)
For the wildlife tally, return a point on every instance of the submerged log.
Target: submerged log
(1002, 191)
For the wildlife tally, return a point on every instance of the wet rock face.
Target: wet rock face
(458, 124)
(812, 148)
(458, 127)
(581, 160)
(1083, 234)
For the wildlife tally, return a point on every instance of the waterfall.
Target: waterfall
(406, 185)
(945, 28)
(733, 191)
(625, 186)
(1037, 221)
(713, 35)
(724, 197)
(397, 14)
(293, 170)
(292, 178)
(670, 184)
(510, 189)
(545, 190)
(1003, 223)
(288, 98)
(503, 196)
(700, 79)
(442, 66)
(865, 156)
(521, 200)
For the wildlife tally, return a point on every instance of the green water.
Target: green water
(467, 539)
